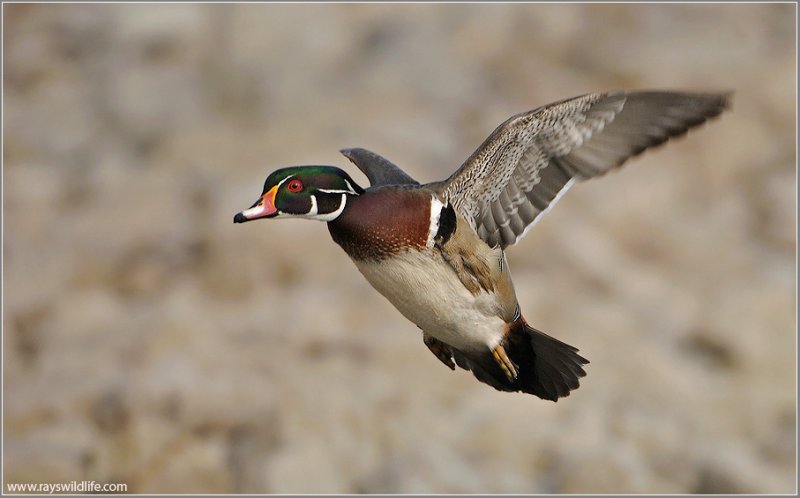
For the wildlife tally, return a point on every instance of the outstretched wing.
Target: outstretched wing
(378, 169)
(534, 157)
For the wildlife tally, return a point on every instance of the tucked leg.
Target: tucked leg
(508, 367)
(440, 350)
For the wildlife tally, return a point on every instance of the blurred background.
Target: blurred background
(149, 340)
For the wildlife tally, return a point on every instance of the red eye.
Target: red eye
(295, 186)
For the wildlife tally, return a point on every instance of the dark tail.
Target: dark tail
(546, 367)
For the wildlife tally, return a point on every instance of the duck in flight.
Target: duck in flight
(436, 251)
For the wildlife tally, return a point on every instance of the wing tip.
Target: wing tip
(350, 152)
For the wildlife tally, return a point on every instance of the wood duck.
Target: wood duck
(436, 251)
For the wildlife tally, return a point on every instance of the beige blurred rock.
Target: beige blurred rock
(148, 340)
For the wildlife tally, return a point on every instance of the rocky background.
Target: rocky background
(149, 340)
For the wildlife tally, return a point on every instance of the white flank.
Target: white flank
(436, 212)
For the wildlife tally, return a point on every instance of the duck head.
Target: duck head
(315, 192)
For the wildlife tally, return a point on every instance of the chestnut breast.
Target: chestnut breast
(383, 221)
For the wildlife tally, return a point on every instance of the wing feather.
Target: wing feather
(529, 160)
(378, 169)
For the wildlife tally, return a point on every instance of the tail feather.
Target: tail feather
(547, 367)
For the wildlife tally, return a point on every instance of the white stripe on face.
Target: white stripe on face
(314, 214)
(314, 208)
(350, 189)
(332, 216)
(283, 181)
